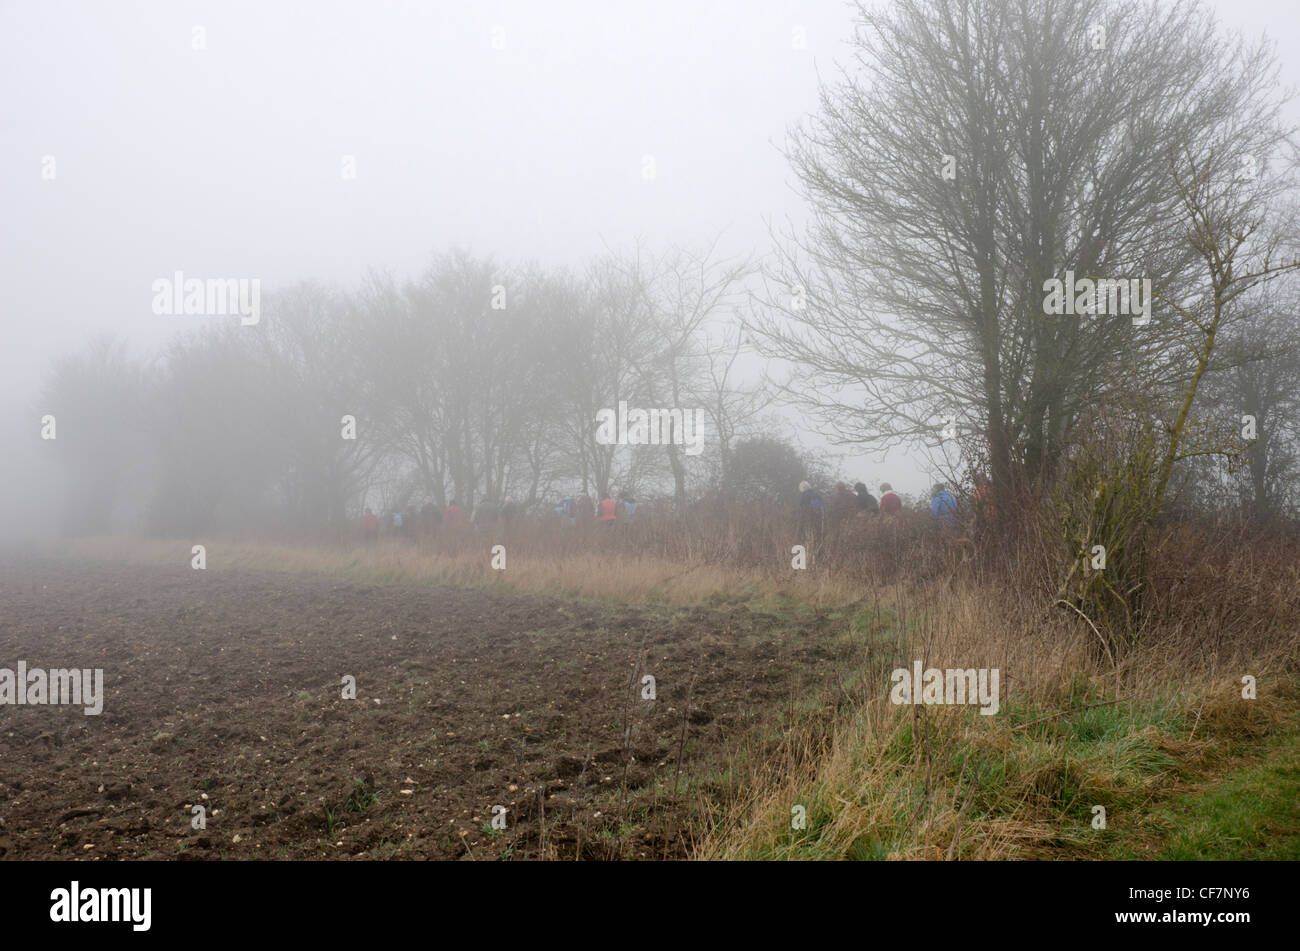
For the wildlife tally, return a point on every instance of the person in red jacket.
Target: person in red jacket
(889, 502)
(608, 510)
(369, 527)
(453, 519)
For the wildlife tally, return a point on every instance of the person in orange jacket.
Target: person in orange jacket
(608, 511)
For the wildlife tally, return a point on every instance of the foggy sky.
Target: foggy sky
(225, 162)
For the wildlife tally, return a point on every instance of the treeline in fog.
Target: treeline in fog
(1052, 244)
(475, 381)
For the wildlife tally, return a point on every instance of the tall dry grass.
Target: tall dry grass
(1075, 730)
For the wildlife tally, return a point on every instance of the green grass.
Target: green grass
(1251, 813)
(361, 798)
(1120, 756)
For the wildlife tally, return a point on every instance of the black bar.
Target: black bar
(952, 903)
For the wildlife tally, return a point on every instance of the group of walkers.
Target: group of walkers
(573, 511)
(858, 502)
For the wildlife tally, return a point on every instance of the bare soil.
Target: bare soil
(224, 689)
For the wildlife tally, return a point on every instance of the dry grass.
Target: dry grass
(879, 780)
(625, 577)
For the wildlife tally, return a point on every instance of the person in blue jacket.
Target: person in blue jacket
(943, 507)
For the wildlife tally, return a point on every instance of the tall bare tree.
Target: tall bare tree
(981, 148)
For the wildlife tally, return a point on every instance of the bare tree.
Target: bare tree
(100, 402)
(733, 407)
(1241, 245)
(313, 387)
(686, 288)
(605, 343)
(1260, 387)
(984, 148)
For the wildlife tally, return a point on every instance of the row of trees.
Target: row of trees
(474, 381)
